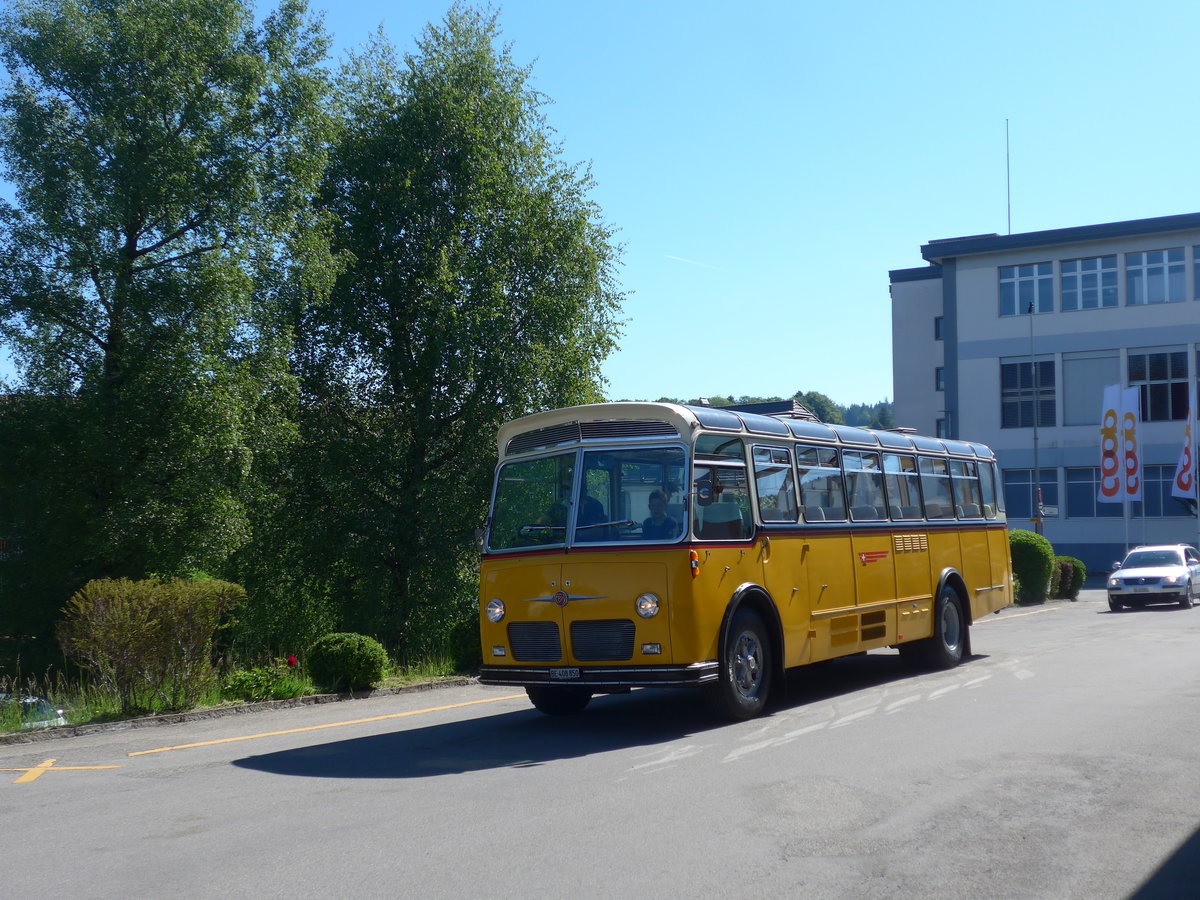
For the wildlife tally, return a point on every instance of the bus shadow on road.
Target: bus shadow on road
(1177, 877)
(527, 739)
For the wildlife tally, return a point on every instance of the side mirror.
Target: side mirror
(1115, 566)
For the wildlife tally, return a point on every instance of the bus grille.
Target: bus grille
(603, 640)
(534, 641)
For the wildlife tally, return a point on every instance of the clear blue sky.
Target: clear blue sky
(768, 162)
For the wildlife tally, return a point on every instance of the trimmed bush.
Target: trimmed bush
(149, 642)
(347, 662)
(1032, 561)
(1056, 577)
(1071, 583)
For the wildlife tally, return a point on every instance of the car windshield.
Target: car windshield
(1145, 559)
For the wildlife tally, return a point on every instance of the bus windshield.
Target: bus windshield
(620, 496)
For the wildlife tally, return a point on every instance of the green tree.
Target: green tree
(482, 289)
(163, 154)
(821, 406)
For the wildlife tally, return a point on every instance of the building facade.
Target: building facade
(1010, 340)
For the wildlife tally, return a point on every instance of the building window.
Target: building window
(1156, 489)
(1083, 486)
(1026, 287)
(1018, 491)
(1156, 276)
(939, 378)
(1084, 376)
(1022, 386)
(1089, 283)
(938, 334)
(1162, 379)
(940, 429)
(1196, 269)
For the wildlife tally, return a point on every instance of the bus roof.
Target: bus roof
(636, 420)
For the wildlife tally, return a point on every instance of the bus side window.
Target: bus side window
(903, 487)
(935, 486)
(775, 485)
(864, 484)
(821, 489)
(965, 481)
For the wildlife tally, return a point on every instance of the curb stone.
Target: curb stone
(63, 731)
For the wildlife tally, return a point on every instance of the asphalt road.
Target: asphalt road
(1061, 761)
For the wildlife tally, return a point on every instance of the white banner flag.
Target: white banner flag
(1184, 483)
(1120, 462)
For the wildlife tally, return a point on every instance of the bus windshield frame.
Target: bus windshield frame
(590, 496)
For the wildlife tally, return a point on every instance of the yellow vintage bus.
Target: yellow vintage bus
(658, 545)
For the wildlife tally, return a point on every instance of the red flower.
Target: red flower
(293, 662)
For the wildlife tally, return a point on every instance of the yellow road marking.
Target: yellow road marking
(254, 737)
(1036, 612)
(35, 772)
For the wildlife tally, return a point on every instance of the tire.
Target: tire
(1115, 605)
(944, 649)
(559, 701)
(1186, 602)
(741, 689)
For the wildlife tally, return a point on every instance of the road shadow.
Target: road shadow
(527, 738)
(1178, 877)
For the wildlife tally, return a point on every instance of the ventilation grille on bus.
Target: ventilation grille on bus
(603, 640)
(605, 430)
(534, 641)
(588, 431)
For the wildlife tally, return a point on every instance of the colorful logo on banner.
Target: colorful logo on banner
(1120, 462)
(1184, 483)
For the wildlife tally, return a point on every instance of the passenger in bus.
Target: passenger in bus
(659, 526)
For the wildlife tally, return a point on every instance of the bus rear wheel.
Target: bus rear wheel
(744, 680)
(945, 647)
(559, 701)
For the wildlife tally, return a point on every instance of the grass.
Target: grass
(85, 703)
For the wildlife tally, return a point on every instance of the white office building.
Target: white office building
(997, 329)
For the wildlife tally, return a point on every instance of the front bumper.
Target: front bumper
(1158, 595)
(602, 678)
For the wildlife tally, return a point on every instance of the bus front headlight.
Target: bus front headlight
(495, 610)
(647, 606)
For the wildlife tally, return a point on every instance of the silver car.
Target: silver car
(1169, 573)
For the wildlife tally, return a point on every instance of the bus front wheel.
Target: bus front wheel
(740, 691)
(559, 701)
(945, 647)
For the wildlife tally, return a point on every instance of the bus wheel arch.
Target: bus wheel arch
(950, 642)
(749, 655)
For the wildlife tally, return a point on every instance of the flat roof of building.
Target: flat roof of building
(948, 248)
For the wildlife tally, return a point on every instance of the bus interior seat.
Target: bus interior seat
(910, 512)
(721, 520)
(859, 513)
(814, 514)
(968, 511)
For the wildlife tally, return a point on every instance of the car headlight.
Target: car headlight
(1114, 582)
(1173, 579)
(495, 610)
(647, 606)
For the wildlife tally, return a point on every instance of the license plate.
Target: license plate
(1142, 590)
(564, 673)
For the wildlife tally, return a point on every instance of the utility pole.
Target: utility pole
(1038, 525)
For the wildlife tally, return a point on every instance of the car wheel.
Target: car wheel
(744, 680)
(1186, 601)
(559, 701)
(1114, 604)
